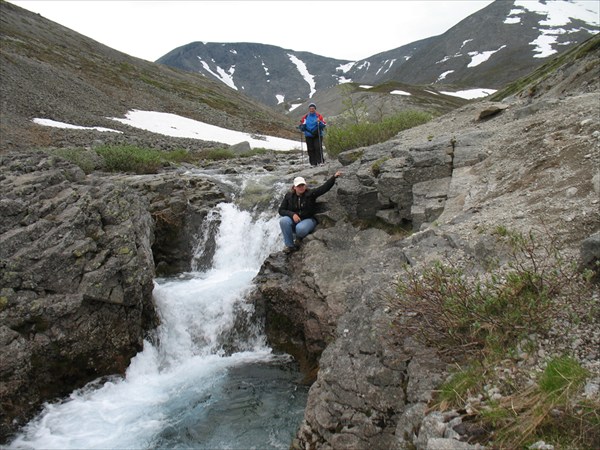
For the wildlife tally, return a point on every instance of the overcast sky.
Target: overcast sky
(348, 30)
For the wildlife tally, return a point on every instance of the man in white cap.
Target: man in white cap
(298, 209)
(313, 125)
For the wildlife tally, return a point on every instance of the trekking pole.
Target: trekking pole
(320, 142)
(301, 148)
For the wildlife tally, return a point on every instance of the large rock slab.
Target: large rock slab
(76, 280)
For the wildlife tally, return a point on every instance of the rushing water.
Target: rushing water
(185, 390)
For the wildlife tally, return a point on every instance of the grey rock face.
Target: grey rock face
(178, 205)
(507, 170)
(76, 280)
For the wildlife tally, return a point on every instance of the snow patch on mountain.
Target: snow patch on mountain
(305, 73)
(470, 94)
(558, 14)
(478, 58)
(444, 75)
(222, 75)
(344, 68)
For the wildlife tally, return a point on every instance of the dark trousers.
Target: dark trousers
(314, 146)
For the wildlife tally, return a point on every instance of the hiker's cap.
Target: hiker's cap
(298, 181)
(312, 105)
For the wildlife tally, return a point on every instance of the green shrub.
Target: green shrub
(87, 160)
(355, 135)
(464, 313)
(129, 158)
(453, 307)
(215, 154)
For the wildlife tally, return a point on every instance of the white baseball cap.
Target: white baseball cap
(298, 181)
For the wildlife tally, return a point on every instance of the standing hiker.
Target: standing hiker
(298, 209)
(313, 125)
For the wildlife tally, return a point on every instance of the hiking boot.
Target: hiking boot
(288, 250)
(297, 243)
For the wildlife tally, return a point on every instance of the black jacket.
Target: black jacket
(305, 205)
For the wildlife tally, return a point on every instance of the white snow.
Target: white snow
(55, 124)
(444, 75)
(225, 77)
(512, 20)
(465, 43)
(265, 68)
(294, 106)
(365, 86)
(345, 67)
(399, 92)
(448, 57)
(478, 58)
(470, 93)
(178, 126)
(543, 45)
(558, 14)
(310, 79)
(343, 80)
(387, 61)
(280, 99)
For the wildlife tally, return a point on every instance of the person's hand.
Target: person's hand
(338, 174)
(296, 218)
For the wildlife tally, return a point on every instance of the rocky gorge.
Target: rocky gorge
(532, 165)
(79, 253)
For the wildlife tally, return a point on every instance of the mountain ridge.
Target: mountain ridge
(487, 49)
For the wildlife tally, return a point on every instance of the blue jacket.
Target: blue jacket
(311, 122)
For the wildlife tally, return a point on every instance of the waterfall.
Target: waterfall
(185, 389)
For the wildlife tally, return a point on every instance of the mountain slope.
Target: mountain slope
(50, 71)
(498, 44)
(268, 73)
(490, 48)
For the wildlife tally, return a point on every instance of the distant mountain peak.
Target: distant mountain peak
(501, 42)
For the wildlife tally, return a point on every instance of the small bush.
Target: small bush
(350, 136)
(457, 309)
(129, 158)
(486, 315)
(215, 154)
(87, 160)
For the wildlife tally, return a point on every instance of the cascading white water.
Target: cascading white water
(185, 390)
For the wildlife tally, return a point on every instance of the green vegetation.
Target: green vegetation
(461, 385)
(376, 166)
(355, 135)
(128, 158)
(490, 319)
(489, 312)
(132, 159)
(87, 160)
(547, 410)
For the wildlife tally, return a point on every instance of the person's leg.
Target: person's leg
(287, 229)
(305, 227)
(311, 150)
